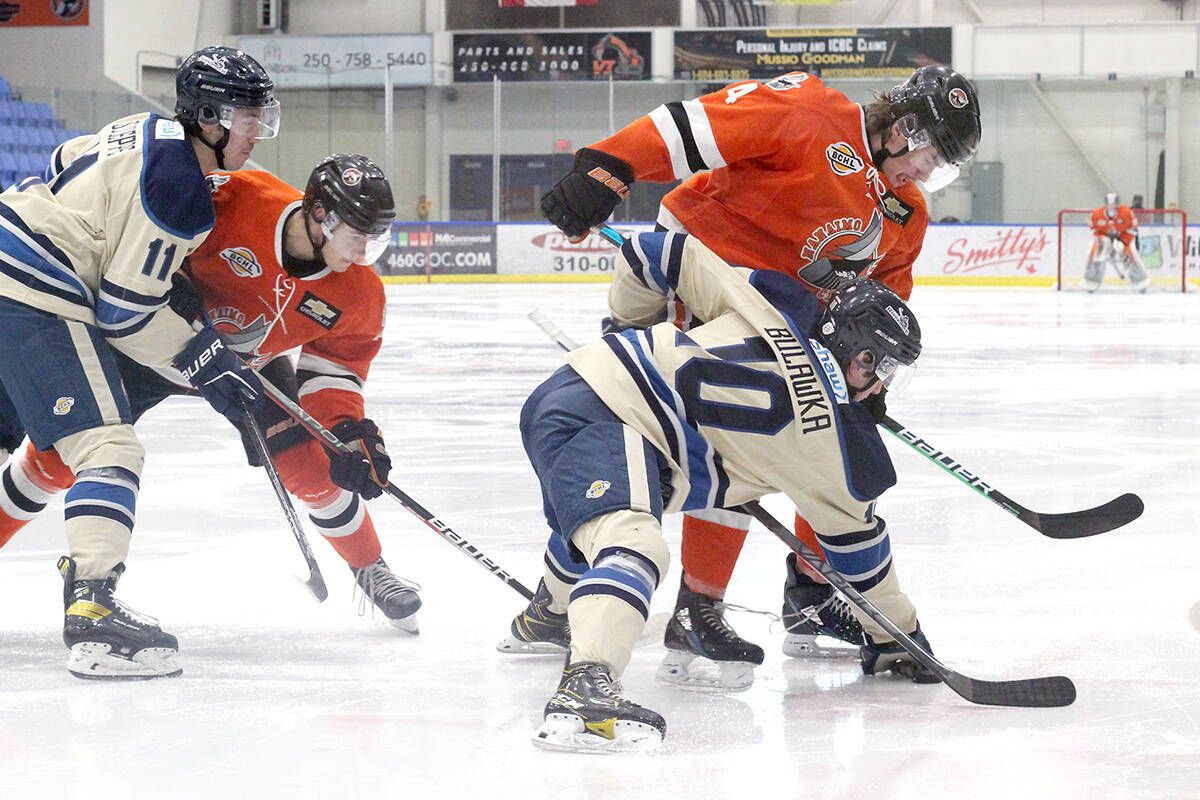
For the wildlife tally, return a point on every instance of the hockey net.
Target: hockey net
(1161, 242)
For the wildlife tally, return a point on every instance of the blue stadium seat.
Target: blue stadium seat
(5, 89)
(8, 162)
(8, 136)
(39, 114)
(47, 137)
(30, 164)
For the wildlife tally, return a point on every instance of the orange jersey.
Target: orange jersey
(1123, 225)
(778, 175)
(336, 319)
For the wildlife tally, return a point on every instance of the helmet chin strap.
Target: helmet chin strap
(318, 242)
(883, 154)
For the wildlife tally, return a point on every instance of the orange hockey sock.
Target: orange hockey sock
(710, 550)
(806, 534)
(28, 481)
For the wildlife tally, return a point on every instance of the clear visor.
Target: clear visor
(350, 244)
(933, 171)
(893, 374)
(252, 122)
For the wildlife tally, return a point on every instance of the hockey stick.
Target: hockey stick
(1070, 525)
(1048, 692)
(1114, 514)
(315, 582)
(332, 443)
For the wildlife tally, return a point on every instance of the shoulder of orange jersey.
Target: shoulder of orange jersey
(256, 183)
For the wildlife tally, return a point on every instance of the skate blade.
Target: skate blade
(563, 733)
(694, 673)
(95, 661)
(407, 624)
(513, 646)
(803, 645)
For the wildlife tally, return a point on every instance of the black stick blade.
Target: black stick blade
(1078, 524)
(1051, 692)
(316, 585)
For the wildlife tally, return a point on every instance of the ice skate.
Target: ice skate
(391, 594)
(109, 640)
(890, 656)
(588, 715)
(819, 621)
(703, 653)
(537, 630)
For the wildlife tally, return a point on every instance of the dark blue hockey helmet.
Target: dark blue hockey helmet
(868, 323)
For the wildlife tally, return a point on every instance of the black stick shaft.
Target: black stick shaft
(336, 445)
(315, 582)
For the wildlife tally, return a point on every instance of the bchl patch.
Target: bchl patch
(842, 159)
(597, 489)
(63, 406)
(319, 311)
(242, 262)
(895, 209)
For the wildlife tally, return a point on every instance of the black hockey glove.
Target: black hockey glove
(219, 375)
(184, 298)
(587, 195)
(364, 471)
(876, 404)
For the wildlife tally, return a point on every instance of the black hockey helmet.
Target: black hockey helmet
(351, 191)
(868, 318)
(226, 87)
(939, 100)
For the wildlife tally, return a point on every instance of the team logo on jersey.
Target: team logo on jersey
(215, 181)
(63, 406)
(352, 176)
(958, 98)
(319, 311)
(168, 129)
(597, 489)
(784, 82)
(895, 209)
(900, 317)
(242, 261)
(849, 242)
(842, 159)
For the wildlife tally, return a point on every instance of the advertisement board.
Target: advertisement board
(420, 250)
(321, 62)
(733, 55)
(996, 254)
(552, 56)
(544, 250)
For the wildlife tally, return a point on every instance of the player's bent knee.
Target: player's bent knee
(107, 446)
(304, 470)
(632, 531)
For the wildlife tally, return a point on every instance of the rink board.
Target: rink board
(953, 255)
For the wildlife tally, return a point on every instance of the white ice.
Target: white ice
(1060, 401)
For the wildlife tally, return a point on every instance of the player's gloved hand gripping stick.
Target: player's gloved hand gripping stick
(337, 447)
(1071, 525)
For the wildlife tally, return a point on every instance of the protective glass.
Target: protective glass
(252, 122)
(934, 171)
(350, 244)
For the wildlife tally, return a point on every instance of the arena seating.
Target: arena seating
(28, 135)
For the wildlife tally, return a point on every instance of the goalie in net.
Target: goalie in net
(1146, 248)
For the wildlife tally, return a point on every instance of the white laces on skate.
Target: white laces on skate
(375, 584)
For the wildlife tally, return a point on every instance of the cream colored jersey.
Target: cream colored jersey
(98, 237)
(744, 405)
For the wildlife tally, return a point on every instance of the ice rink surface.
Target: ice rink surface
(1060, 401)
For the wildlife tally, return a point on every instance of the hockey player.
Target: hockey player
(787, 175)
(765, 397)
(284, 270)
(87, 255)
(1113, 223)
